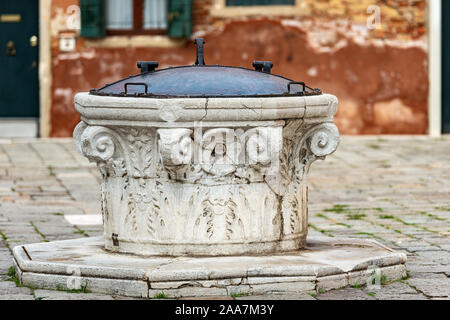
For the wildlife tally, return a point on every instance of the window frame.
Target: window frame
(138, 23)
(260, 4)
(221, 10)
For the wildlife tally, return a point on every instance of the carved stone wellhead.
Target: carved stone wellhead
(205, 159)
(205, 176)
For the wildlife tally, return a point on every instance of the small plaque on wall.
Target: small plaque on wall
(67, 43)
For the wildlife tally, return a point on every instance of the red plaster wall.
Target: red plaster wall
(381, 88)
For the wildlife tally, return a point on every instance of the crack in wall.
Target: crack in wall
(206, 109)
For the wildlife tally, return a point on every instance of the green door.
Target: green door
(19, 84)
(445, 66)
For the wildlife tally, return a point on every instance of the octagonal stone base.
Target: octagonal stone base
(325, 264)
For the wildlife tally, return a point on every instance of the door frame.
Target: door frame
(24, 125)
(45, 71)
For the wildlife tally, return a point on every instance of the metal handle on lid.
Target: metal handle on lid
(263, 66)
(147, 66)
(135, 84)
(200, 61)
(296, 82)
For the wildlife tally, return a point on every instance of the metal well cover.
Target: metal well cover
(202, 80)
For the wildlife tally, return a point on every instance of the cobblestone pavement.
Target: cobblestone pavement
(393, 189)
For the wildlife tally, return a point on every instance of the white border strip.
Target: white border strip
(434, 68)
(84, 219)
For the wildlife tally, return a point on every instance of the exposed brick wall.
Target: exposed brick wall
(404, 19)
(398, 17)
(379, 75)
(201, 15)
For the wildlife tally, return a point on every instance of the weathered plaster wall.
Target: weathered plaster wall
(379, 75)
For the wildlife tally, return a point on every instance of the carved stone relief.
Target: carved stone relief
(177, 190)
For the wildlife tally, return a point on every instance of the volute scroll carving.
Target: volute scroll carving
(316, 143)
(324, 140)
(104, 146)
(96, 143)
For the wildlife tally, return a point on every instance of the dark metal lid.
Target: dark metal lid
(202, 80)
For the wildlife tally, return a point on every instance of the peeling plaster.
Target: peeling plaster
(360, 74)
(320, 32)
(65, 19)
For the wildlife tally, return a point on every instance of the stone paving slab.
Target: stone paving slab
(9, 288)
(428, 286)
(16, 297)
(61, 295)
(395, 291)
(345, 294)
(394, 189)
(298, 296)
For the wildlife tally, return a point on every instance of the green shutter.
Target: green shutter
(179, 18)
(92, 18)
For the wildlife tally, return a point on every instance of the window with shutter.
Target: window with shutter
(134, 17)
(92, 18)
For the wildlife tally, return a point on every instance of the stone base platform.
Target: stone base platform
(325, 264)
